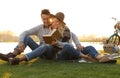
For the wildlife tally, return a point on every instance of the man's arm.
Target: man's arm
(32, 31)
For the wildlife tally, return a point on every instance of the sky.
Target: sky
(83, 17)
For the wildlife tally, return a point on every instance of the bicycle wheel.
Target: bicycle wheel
(114, 39)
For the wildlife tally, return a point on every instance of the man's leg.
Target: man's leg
(27, 42)
(31, 55)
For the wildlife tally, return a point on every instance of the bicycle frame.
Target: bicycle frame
(114, 39)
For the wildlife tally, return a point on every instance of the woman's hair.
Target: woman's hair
(62, 27)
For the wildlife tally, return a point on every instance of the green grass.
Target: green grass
(59, 69)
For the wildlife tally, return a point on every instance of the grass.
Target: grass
(58, 69)
(40, 68)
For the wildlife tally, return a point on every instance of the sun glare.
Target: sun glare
(83, 18)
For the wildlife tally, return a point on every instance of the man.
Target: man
(48, 51)
(25, 40)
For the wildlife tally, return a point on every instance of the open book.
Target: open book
(54, 35)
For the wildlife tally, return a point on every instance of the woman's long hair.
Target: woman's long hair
(62, 27)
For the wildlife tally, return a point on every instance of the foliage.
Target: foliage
(92, 38)
(8, 36)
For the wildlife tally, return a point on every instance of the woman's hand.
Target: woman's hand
(54, 42)
(80, 48)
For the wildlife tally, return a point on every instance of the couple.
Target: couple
(61, 49)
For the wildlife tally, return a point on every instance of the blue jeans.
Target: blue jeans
(29, 42)
(68, 52)
(37, 50)
(91, 51)
(43, 51)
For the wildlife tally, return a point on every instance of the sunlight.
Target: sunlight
(7, 75)
(89, 18)
(2, 61)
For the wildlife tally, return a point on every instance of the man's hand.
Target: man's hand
(21, 46)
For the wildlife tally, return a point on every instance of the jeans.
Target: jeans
(37, 50)
(91, 51)
(43, 51)
(68, 52)
(29, 42)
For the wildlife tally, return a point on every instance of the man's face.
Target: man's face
(45, 19)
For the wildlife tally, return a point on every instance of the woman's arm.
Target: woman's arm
(75, 39)
(77, 42)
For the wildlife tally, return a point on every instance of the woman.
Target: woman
(89, 52)
(68, 52)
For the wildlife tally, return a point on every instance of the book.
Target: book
(54, 35)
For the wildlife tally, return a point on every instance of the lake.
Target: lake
(6, 47)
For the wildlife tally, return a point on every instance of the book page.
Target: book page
(55, 34)
(53, 31)
(50, 34)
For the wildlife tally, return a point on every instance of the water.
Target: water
(6, 47)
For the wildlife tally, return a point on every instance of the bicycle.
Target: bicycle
(112, 42)
(115, 38)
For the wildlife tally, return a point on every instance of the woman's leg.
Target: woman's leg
(95, 54)
(90, 50)
(50, 53)
(68, 52)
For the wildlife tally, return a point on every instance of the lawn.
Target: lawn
(40, 68)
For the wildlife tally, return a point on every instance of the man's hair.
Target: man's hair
(45, 11)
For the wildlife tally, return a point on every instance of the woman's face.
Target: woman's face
(55, 23)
